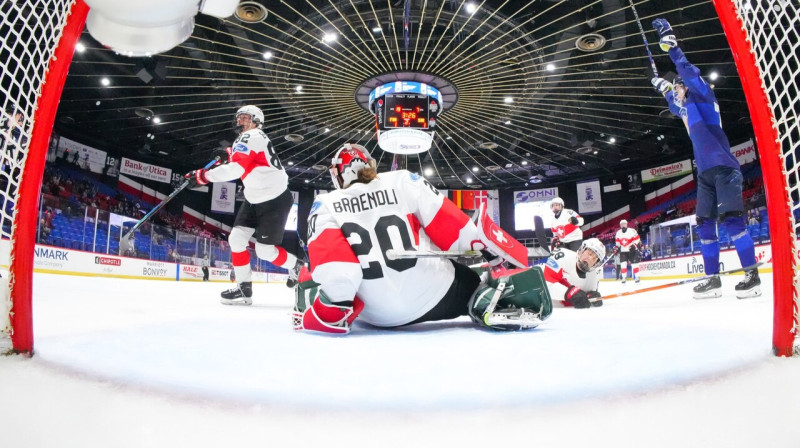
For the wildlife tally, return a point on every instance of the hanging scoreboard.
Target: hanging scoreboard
(405, 113)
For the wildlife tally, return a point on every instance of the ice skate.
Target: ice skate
(294, 273)
(709, 288)
(239, 295)
(637, 280)
(750, 286)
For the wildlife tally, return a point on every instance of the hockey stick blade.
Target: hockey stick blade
(126, 241)
(681, 282)
(393, 254)
(541, 236)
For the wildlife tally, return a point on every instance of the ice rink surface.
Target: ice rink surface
(133, 363)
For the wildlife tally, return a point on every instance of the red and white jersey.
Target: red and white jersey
(565, 230)
(350, 231)
(253, 159)
(626, 239)
(561, 272)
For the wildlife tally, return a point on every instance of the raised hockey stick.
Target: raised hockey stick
(126, 242)
(681, 282)
(646, 45)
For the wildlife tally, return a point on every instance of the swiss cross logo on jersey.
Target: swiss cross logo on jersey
(499, 236)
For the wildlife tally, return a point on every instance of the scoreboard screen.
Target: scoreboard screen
(406, 110)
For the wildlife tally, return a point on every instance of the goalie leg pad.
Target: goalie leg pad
(524, 301)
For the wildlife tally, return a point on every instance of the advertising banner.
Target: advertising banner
(745, 152)
(681, 168)
(145, 170)
(85, 157)
(542, 194)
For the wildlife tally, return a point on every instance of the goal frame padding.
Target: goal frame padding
(27, 201)
(772, 168)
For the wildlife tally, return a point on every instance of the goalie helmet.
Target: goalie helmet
(256, 116)
(597, 247)
(347, 162)
(557, 201)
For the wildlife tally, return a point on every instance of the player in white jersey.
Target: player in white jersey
(627, 243)
(352, 232)
(576, 275)
(566, 226)
(266, 206)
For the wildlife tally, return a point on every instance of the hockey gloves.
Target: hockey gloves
(573, 220)
(661, 85)
(595, 298)
(326, 317)
(665, 34)
(196, 178)
(577, 297)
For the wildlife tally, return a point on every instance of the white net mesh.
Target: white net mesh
(30, 29)
(773, 28)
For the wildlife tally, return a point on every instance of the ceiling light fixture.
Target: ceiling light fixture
(80, 48)
(105, 82)
(268, 55)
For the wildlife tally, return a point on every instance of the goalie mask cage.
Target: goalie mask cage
(39, 40)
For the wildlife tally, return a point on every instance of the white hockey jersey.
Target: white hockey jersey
(561, 272)
(253, 159)
(626, 239)
(350, 231)
(564, 229)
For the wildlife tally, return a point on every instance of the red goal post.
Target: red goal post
(764, 36)
(39, 38)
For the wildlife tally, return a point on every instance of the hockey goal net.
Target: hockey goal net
(39, 38)
(764, 36)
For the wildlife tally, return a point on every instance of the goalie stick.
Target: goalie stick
(646, 44)
(682, 282)
(126, 241)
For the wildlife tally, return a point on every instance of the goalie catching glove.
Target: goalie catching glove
(666, 36)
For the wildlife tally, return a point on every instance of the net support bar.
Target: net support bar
(27, 204)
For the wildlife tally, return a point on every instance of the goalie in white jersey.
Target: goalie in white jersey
(266, 206)
(576, 275)
(351, 232)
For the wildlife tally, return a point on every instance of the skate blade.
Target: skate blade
(240, 301)
(750, 293)
(707, 295)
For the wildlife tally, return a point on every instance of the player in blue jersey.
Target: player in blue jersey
(719, 191)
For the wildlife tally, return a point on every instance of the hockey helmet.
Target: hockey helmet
(256, 116)
(597, 247)
(677, 80)
(557, 201)
(347, 162)
(624, 224)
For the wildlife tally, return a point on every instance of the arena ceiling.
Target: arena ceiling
(576, 72)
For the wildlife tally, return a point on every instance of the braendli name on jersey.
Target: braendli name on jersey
(365, 201)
